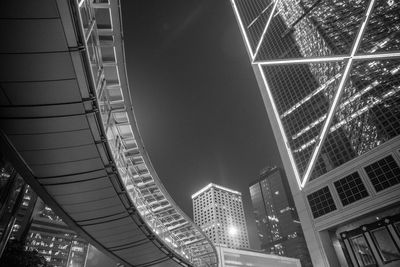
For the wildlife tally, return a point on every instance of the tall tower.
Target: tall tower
(219, 213)
(277, 222)
(329, 75)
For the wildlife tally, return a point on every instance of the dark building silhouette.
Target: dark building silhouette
(278, 224)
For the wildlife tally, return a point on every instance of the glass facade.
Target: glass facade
(329, 71)
(277, 222)
(350, 189)
(335, 83)
(53, 239)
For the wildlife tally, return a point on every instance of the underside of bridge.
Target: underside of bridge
(67, 125)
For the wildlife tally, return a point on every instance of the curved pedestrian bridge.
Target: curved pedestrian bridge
(68, 126)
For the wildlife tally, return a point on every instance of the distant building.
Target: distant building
(55, 241)
(329, 75)
(17, 202)
(278, 224)
(24, 214)
(219, 213)
(239, 257)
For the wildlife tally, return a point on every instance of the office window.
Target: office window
(321, 202)
(350, 189)
(384, 173)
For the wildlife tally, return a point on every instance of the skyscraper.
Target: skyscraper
(17, 202)
(328, 72)
(219, 213)
(277, 222)
(54, 240)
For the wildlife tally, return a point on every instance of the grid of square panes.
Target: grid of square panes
(382, 32)
(350, 189)
(305, 102)
(254, 17)
(383, 173)
(313, 28)
(369, 111)
(321, 202)
(368, 114)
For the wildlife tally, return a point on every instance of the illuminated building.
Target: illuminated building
(55, 241)
(329, 75)
(17, 202)
(219, 213)
(277, 222)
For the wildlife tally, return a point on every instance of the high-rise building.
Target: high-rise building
(219, 213)
(329, 75)
(54, 240)
(17, 202)
(277, 222)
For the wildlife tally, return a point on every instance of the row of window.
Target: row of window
(382, 174)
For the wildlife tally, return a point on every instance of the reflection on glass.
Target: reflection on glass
(385, 244)
(397, 225)
(362, 251)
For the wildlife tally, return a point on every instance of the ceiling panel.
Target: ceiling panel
(45, 92)
(32, 35)
(52, 140)
(36, 67)
(29, 9)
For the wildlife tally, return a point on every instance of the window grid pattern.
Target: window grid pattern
(313, 28)
(381, 35)
(303, 116)
(384, 173)
(255, 16)
(220, 214)
(321, 202)
(368, 113)
(350, 189)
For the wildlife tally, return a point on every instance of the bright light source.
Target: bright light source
(232, 230)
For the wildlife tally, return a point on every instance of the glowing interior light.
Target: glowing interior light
(232, 230)
(300, 60)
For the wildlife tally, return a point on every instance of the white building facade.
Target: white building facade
(219, 213)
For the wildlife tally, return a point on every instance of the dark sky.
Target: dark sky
(196, 99)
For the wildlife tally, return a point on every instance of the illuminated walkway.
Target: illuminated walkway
(68, 127)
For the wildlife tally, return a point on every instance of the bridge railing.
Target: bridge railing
(102, 30)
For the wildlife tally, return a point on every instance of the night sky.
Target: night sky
(196, 99)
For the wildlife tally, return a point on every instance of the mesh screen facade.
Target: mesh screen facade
(333, 71)
(329, 74)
